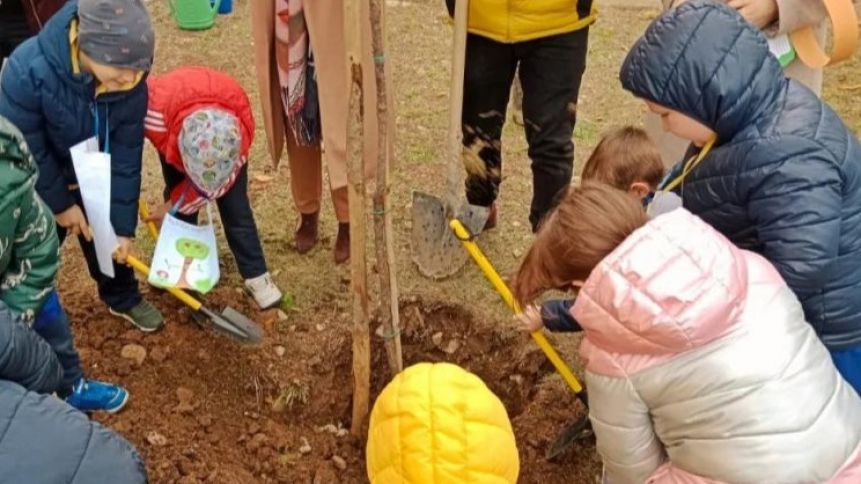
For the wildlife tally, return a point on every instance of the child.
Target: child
(776, 19)
(201, 123)
(45, 441)
(777, 173)
(80, 78)
(626, 159)
(28, 266)
(545, 42)
(439, 424)
(699, 363)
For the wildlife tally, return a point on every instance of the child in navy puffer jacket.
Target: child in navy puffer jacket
(776, 170)
(83, 77)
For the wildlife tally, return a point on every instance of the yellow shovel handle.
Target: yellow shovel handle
(144, 211)
(506, 295)
(183, 296)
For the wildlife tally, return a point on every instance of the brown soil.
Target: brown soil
(234, 414)
(205, 409)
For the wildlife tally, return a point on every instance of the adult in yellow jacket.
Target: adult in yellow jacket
(439, 424)
(545, 41)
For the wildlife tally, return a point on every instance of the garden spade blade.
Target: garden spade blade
(252, 330)
(581, 429)
(436, 249)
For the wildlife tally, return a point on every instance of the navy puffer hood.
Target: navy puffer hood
(707, 80)
(784, 178)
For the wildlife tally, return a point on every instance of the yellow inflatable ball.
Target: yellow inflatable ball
(440, 424)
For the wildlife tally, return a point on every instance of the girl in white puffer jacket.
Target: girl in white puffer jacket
(699, 363)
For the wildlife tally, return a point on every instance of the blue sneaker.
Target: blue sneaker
(93, 395)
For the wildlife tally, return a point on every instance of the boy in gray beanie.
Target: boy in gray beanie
(117, 33)
(81, 77)
(116, 40)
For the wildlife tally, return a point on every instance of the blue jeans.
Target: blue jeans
(848, 363)
(52, 324)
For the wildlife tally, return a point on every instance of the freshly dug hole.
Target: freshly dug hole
(441, 332)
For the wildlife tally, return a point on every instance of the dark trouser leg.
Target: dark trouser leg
(237, 218)
(53, 326)
(120, 293)
(240, 228)
(551, 70)
(13, 31)
(172, 177)
(490, 67)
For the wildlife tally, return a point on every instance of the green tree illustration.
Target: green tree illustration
(190, 249)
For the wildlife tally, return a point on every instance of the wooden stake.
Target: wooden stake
(383, 233)
(356, 197)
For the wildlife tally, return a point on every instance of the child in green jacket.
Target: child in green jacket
(29, 258)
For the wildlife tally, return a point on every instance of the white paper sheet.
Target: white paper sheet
(93, 170)
(781, 47)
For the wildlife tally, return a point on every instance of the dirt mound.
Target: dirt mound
(205, 409)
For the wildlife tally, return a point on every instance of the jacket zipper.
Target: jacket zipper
(35, 13)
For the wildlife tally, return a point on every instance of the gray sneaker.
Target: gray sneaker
(144, 316)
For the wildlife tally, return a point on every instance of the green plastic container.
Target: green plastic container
(194, 14)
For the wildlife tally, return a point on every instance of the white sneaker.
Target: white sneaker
(266, 294)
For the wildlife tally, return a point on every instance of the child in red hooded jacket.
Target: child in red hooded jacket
(201, 123)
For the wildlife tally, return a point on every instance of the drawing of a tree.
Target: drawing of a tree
(190, 249)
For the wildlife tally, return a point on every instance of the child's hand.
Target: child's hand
(760, 13)
(124, 249)
(157, 215)
(73, 220)
(530, 319)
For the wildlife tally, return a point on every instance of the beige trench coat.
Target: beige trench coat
(325, 25)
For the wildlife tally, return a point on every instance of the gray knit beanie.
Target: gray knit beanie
(117, 33)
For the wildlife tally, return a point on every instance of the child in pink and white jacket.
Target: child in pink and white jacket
(699, 364)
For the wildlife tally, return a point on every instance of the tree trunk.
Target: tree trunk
(383, 233)
(356, 194)
(186, 265)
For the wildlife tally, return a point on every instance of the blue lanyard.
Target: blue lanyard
(95, 110)
(674, 172)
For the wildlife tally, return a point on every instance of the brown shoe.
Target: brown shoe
(342, 244)
(306, 233)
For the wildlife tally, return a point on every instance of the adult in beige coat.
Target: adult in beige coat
(774, 17)
(325, 24)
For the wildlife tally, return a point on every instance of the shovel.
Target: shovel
(435, 248)
(229, 321)
(581, 428)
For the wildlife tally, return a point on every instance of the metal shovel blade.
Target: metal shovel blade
(235, 324)
(436, 250)
(581, 429)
